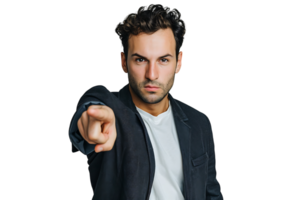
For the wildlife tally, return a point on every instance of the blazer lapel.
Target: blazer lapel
(184, 138)
(183, 132)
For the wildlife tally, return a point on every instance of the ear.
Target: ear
(123, 60)
(178, 66)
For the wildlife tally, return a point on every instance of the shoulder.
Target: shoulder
(96, 89)
(194, 115)
(100, 88)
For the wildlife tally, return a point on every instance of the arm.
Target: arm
(78, 143)
(213, 190)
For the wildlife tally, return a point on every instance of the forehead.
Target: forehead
(157, 43)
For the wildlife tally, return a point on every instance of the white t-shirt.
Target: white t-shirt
(168, 176)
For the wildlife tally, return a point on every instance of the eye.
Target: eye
(166, 60)
(139, 59)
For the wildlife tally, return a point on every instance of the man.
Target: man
(141, 143)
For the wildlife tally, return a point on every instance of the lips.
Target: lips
(150, 86)
(151, 89)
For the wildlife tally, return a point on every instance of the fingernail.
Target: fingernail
(100, 149)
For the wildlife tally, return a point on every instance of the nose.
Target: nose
(152, 72)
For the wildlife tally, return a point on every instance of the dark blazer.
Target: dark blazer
(127, 171)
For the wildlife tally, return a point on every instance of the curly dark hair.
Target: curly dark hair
(149, 21)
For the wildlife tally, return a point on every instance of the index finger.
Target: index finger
(99, 112)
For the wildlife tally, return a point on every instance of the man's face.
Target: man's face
(151, 62)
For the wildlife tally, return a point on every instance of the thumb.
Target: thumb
(98, 148)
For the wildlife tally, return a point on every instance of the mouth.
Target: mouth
(151, 88)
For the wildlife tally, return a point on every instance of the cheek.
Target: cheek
(167, 80)
(171, 82)
(138, 73)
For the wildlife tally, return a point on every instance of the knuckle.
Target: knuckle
(109, 149)
(92, 137)
(84, 137)
(83, 115)
(90, 142)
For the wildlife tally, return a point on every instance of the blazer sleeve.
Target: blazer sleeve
(97, 95)
(213, 189)
(78, 143)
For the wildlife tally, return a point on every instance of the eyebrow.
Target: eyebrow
(136, 54)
